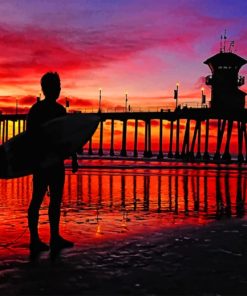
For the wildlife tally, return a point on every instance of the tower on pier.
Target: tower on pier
(224, 81)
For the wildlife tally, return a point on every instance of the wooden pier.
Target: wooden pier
(187, 142)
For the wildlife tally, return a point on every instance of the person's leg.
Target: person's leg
(39, 189)
(56, 185)
(56, 192)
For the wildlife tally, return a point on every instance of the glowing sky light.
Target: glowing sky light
(142, 46)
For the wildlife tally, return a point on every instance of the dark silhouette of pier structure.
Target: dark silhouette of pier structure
(227, 109)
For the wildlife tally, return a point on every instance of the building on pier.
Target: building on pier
(225, 81)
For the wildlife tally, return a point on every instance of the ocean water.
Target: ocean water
(112, 200)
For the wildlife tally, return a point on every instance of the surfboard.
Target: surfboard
(54, 141)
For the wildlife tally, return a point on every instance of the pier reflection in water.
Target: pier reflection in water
(205, 194)
(109, 203)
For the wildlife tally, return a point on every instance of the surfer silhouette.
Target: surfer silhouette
(51, 178)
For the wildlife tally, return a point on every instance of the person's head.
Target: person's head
(50, 84)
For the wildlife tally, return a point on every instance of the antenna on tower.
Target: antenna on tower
(221, 43)
(224, 48)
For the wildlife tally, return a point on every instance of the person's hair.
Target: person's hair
(50, 83)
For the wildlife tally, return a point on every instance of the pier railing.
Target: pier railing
(165, 108)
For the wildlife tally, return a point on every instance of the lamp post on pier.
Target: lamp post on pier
(100, 96)
(126, 102)
(176, 94)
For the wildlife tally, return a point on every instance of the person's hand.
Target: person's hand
(74, 165)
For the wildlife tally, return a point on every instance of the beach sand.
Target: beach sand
(209, 259)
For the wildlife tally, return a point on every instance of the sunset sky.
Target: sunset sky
(143, 47)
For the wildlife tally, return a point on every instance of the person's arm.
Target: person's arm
(33, 127)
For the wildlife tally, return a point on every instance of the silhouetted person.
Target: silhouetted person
(52, 177)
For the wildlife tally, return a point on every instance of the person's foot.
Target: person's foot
(38, 246)
(60, 243)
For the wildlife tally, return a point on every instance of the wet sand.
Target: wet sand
(188, 260)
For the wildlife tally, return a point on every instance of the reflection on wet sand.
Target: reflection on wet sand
(109, 202)
(219, 194)
(222, 193)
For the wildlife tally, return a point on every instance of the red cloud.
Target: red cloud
(31, 51)
(27, 100)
